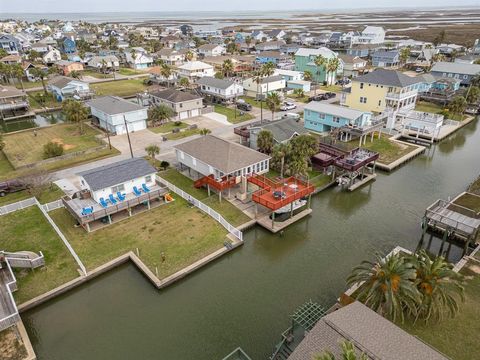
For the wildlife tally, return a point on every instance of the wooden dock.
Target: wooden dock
(276, 226)
(366, 179)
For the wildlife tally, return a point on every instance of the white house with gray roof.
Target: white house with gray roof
(459, 71)
(112, 113)
(63, 87)
(185, 105)
(220, 88)
(267, 85)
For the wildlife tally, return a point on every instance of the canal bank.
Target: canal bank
(244, 298)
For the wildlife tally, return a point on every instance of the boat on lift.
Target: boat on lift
(297, 204)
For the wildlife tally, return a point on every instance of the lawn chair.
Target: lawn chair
(136, 191)
(103, 202)
(120, 196)
(145, 188)
(112, 199)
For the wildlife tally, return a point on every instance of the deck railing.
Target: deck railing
(436, 216)
(205, 208)
(14, 317)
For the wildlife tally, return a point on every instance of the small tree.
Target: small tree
(299, 93)
(205, 131)
(348, 353)
(404, 55)
(164, 164)
(473, 95)
(52, 149)
(159, 114)
(265, 141)
(273, 101)
(152, 150)
(457, 105)
(184, 82)
(76, 112)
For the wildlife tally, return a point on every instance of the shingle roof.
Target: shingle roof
(113, 105)
(195, 65)
(221, 154)
(61, 81)
(117, 173)
(388, 77)
(325, 52)
(284, 129)
(214, 82)
(208, 47)
(456, 68)
(175, 96)
(336, 110)
(368, 331)
(10, 91)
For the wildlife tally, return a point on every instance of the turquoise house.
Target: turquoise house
(322, 117)
(304, 61)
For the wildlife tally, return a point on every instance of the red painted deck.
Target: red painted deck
(225, 183)
(274, 195)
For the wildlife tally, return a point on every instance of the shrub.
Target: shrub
(177, 123)
(164, 165)
(52, 149)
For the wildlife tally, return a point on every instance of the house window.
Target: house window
(321, 116)
(363, 100)
(148, 178)
(118, 188)
(465, 76)
(361, 85)
(336, 119)
(379, 102)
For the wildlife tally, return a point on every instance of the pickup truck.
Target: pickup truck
(11, 186)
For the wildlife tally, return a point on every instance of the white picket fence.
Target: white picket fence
(19, 205)
(57, 204)
(205, 208)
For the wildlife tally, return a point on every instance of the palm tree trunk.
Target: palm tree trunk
(281, 166)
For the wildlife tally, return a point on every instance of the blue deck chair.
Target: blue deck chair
(145, 188)
(103, 202)
(120, 196)
(112, 199)
(136, 191)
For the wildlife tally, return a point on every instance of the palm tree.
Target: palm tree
(348, 353)
(320, 63)
(184, 82)
(387, 285)
(39, 73)
(280, 153)
(404, 55)
(104, 66)
(227, 67)
(457, 105)
(332, 67)
(267, 70)
(440, 286)
(265, 141)
(307, 75)
(152, 150)
(473, 94)
(133, 54)
(189, 56)
(166, 72)
(160, 114)
(299, 93)
(205, 131)
(75, 74)
(453, 55)
(273, 101)
(18, 73)
(258, 78)
(76, 112)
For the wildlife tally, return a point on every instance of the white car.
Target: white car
(288, 106)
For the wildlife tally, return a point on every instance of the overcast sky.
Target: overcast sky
(52, 6)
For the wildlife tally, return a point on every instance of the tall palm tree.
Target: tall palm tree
(76, 112)
(387, 285)
(307, 75)
(184, 82)
(205, 131)
(280, 153)
(189, 56)
(152, 150)
(258, 78)
(320, 63)
(40, 74)
(440, 286)
(265, 141)
(166, 72)
(273, 101)
(18, 73)
(404, 55)
(332, 67)
(227, 67)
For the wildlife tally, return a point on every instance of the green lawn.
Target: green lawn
(225, 208)
(129, 72)
(458, 337)
(96, 74)
(469, 201)
(51, 193)
(182, 134)
(29, 84)
(426, 106)
(29, 230)
(16, 144)
(473, 188)
(303, 98)
(182, 233)
(230, 114)
(119, 88)
(49, 101)
(168, 127)
(331, 88)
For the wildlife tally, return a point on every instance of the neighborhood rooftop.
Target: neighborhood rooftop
(60, 81)
(117, 173)
(457, 68)
(113, 105)
(224, 155)
(175, 96)
(214, 82)
(388, 78)
(284, 129)
(336, 110)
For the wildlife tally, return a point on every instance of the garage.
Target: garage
(195, 112)
(183, 115)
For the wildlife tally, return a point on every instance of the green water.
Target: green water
(39, 120)
(244, 299)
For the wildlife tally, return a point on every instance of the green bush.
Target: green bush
(164, 164)
(178, 123)
(52, 149)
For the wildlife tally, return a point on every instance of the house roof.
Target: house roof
(214, 82)
(113, 105)
(387, 77)
(221, 154)
(386, 54)
(336, 110)
(456, 68)
(117, 173)
(10, 58)
(10, 91)
(271, 79)
(175, 96)
(370, 333)
(61, 81)
(195, 65)
(350, 59)
(208, 47)
(325, 52)
(284, 129)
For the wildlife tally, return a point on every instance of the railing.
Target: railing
(19, 205)
(14, 317)
(205, 208)
(400, 96)
(57, 204)
(225, 183)
(20, 260)
(432, 214)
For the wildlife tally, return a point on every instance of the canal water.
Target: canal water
(39, 120)
(245, 298)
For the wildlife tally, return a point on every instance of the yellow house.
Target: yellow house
(382, 90)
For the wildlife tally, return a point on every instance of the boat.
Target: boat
(287, 208)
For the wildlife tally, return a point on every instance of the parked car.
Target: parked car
(292, 116)
(11, 186)
(316, 98)
(343, 82)
(419, 70)
(288, 106)
(244, 106)
(329, 95)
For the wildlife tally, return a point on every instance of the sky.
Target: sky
(54, 6)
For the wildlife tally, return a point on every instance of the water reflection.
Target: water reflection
(39, 120)
(347, 203)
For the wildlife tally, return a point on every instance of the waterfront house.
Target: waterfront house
(68, 45)
(271, 57)
(322, 117)
(104, 63)
(141, 60)
(11, 59)
(193, 70)
(304, 60)
(439, 90)
(13, 102)
(353, 66)
(275, 83)
(170, 56)
(282, 130)
(211, 155)
(10, 44)
(63, 87)
(219, 89)
(386, 59)
(112, 113)
(372, 35)
(211, 50)
(289, 75)
(462, 72)
(66, 67)
(363, 50)
(184, 104)
(369, 332)
(51, 56)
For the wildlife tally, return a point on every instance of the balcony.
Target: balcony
(401, 95)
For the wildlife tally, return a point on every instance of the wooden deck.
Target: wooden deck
(8, 310)
(266, 222)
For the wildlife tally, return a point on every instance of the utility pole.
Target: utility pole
(128, 135)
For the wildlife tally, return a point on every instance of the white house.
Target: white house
(121, 176)
(112, 113)
(219, 88)
(170, 56)
(109, 61)
(64, 87)
(372, 35)
(195, 69)
(51, 56)
(289, 75)
(141, 60)
(267, 85)
(211, 50)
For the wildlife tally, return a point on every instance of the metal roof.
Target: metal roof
(456, 68)
(113, 105)
(117, 173)
(336, 110)
(284, 129)
(388, 78)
